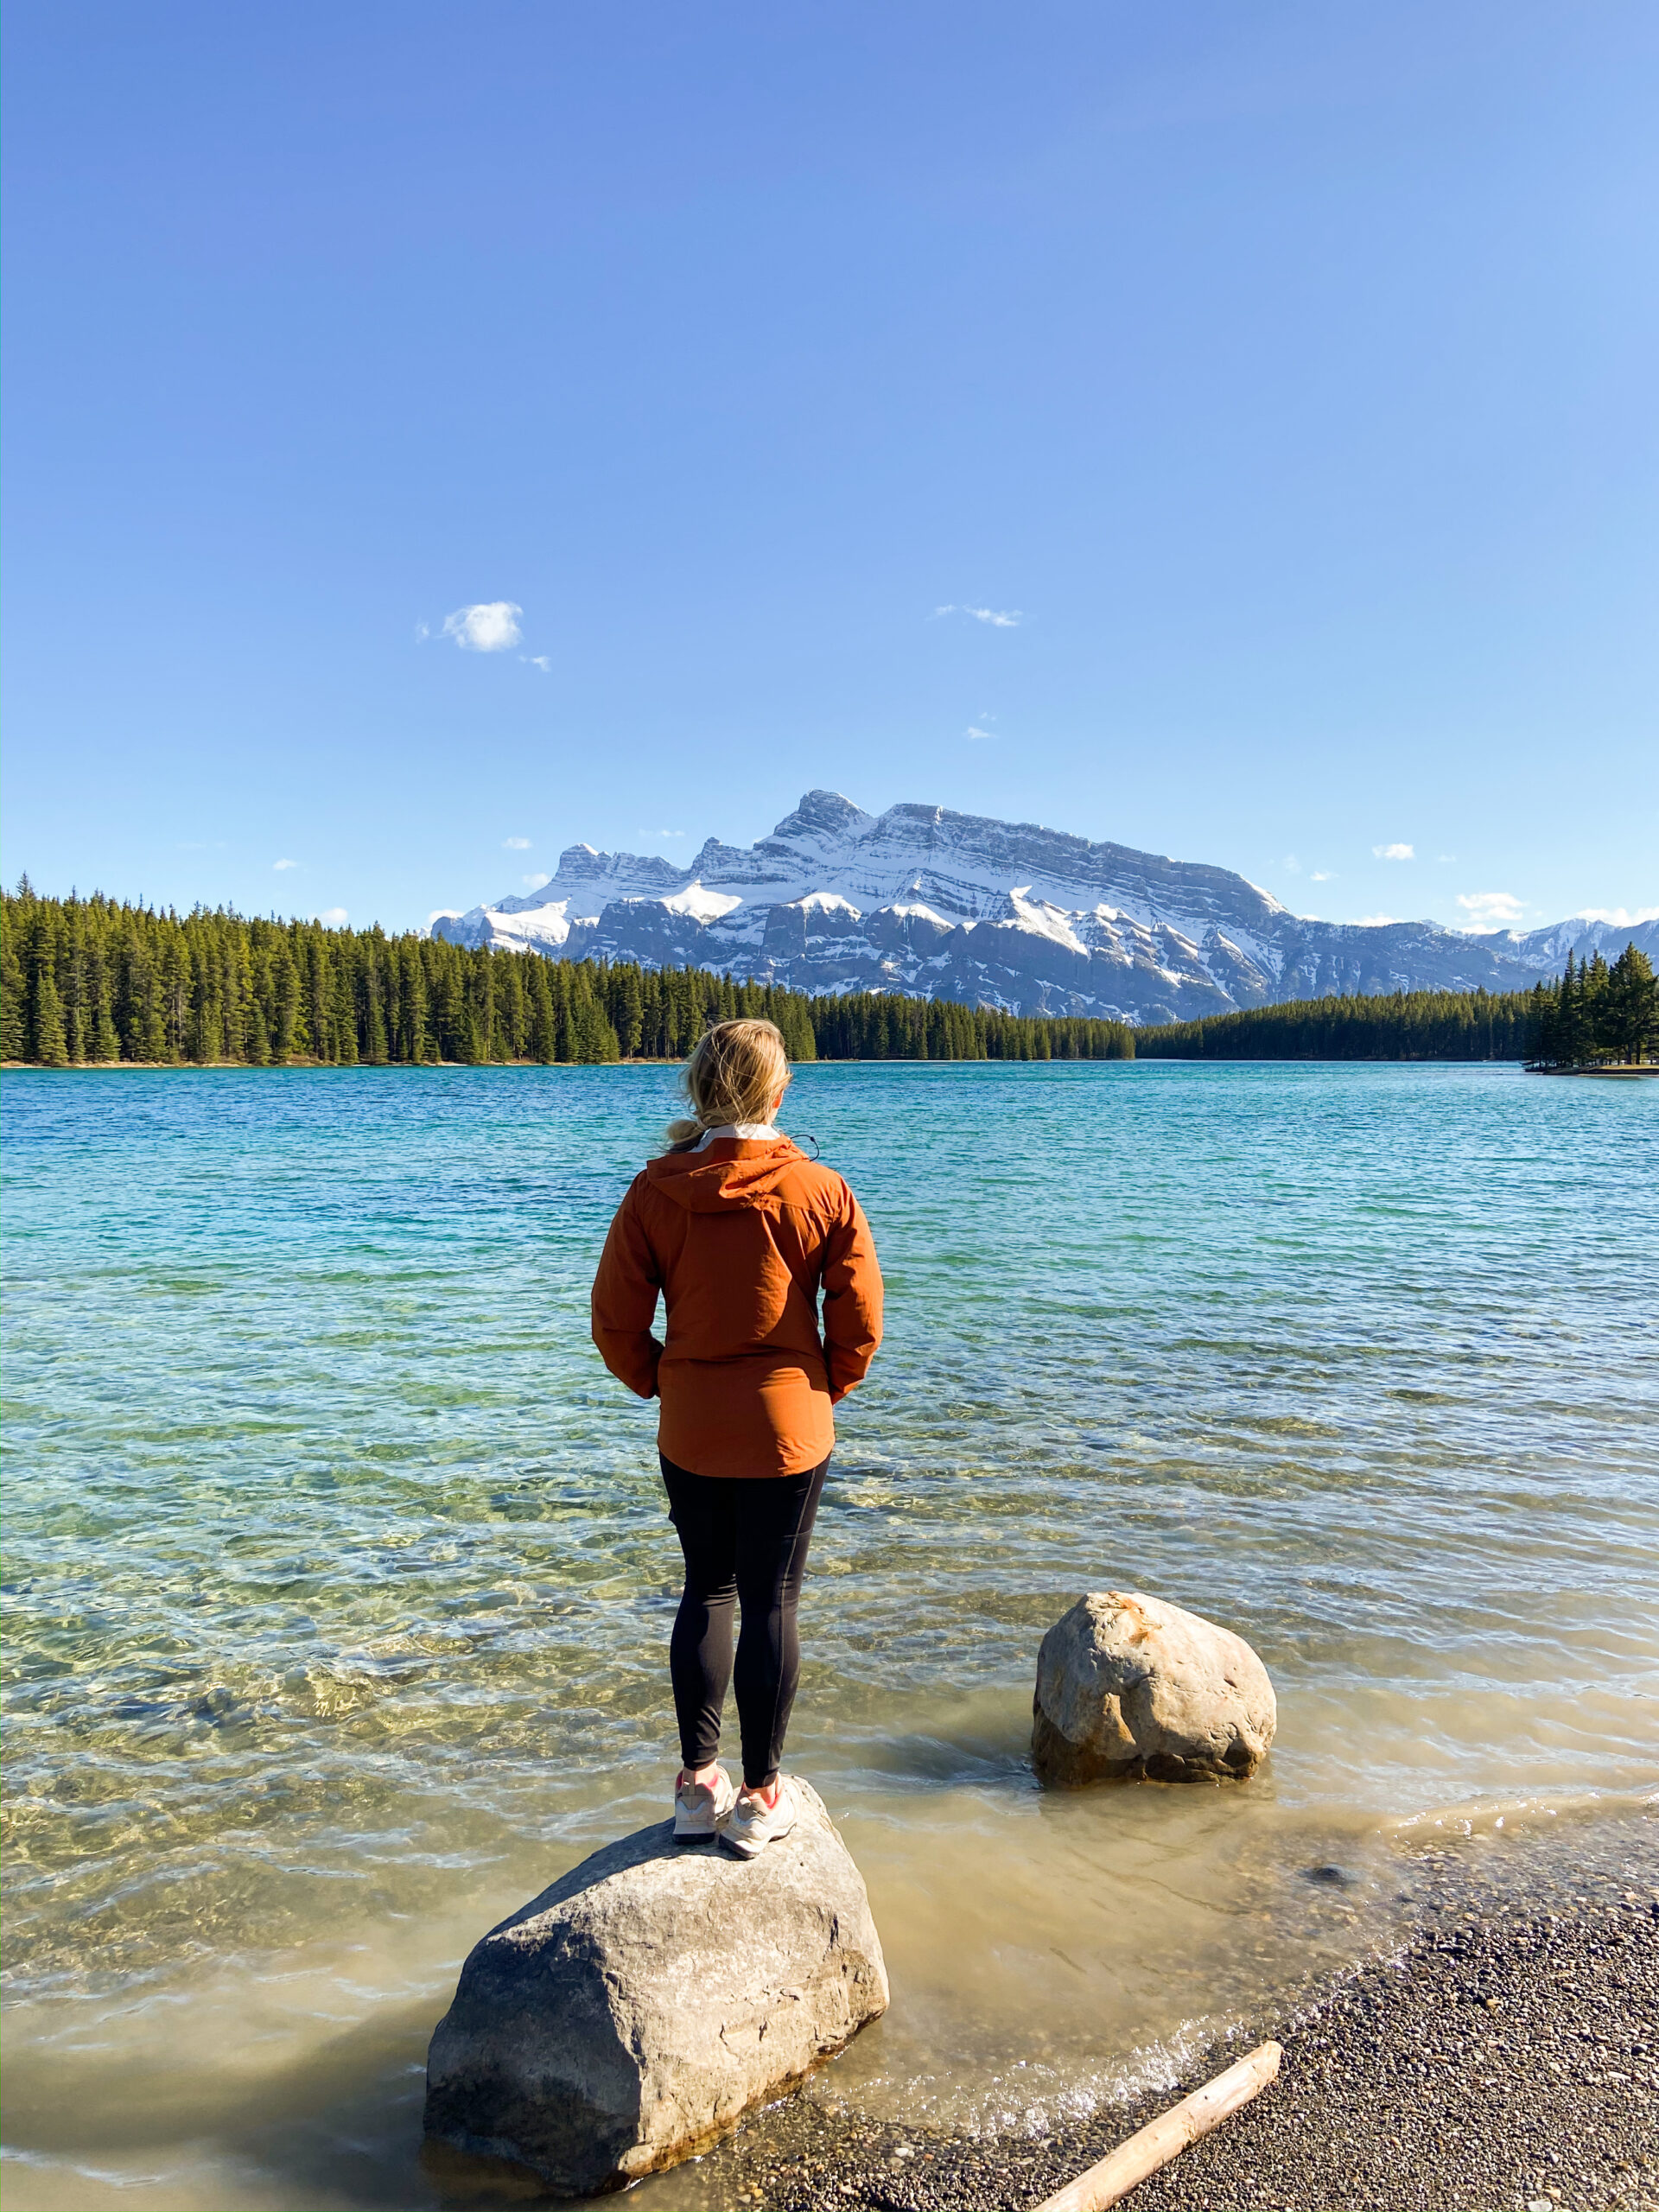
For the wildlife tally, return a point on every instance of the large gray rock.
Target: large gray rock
(1130, 1688)
(631, 2014)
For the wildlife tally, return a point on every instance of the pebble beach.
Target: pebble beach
(1505, 2057)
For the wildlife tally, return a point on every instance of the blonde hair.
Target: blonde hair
(736, 1072)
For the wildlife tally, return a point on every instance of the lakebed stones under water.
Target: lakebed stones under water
(630, 2015)
(1130, 1688)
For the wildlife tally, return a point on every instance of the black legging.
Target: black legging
(745, 1543)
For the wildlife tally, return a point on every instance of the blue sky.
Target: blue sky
(1280, 375)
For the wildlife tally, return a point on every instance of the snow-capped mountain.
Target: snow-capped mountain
(940, 905)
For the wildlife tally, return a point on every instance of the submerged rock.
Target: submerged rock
(1130, 1688)
(631, 2014)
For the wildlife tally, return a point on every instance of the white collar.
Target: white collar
(745, 1132)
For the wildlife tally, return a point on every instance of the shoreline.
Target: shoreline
(1505, 2054)
(1618, 1069)
(892, 1060)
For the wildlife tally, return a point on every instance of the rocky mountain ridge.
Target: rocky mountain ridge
(940, 905)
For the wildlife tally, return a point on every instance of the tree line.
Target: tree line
(1593, 1012)
(91, 980)
(1404, 1026)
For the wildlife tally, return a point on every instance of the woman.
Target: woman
(738, 1232)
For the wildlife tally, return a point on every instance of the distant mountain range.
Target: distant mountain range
(947, 905)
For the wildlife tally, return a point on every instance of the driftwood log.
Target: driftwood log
(1156, 2144)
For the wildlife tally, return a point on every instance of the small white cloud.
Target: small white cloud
(537, 660)
(1323, 875)
(1444, 857)
(422, 632)
(1395, 851)
(997, 617)
(1619, 918)
(659, 833)
(1491, 909)
(974, 732)
(515, 844)
(335, 916)
(535, 882)
(1292, 865)
(1376, 921)
(278, 865)
(490, 627)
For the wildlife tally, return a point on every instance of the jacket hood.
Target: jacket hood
(740, 1175)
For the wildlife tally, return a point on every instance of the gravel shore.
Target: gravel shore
(1507, 2056)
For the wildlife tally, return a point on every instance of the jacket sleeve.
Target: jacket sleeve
(852, 1299)
(625, 1302)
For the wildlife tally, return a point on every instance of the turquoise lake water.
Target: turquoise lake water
(340, 1584)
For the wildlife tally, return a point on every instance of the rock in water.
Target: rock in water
(631, 2014)
(1130, 1688)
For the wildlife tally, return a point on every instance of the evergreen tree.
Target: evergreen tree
(1571, 1030)
(1630, 1019)
(14, 1022)
(563, 1030)
(628, 1011)
(373, 1015)
(289, 1037)
(342, 1013)
(173, 962)
(106, 1044)
(414, 1032)
(48, 1046)
(542, 1026)
(593, 1040)
(73, 975)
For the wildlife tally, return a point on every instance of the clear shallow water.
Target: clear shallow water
(340, 1584)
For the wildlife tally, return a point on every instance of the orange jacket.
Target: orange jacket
(738, 1240)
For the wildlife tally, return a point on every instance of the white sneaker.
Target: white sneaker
(756, 1824)
(701, 1812)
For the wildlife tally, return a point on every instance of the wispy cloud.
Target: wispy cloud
(491, 626)
(538, 660)
(515, 844)
(535, 882)
(1376, 921)
(1291, 865)
(974, 732)
(1619, 918)
(659, 833)
(1395, 851)
(278, 865)
(1491, 909)
(996, 618)
(1323, 875)
(334, 916)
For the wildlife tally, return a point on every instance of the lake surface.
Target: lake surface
(340, 1583)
